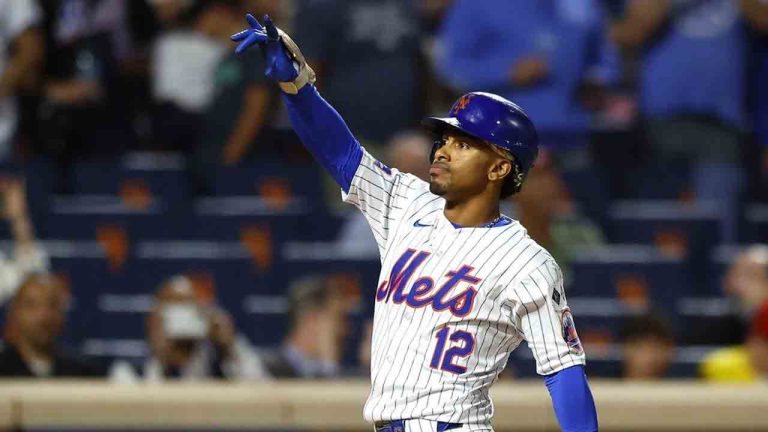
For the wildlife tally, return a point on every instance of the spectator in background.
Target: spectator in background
(170, 12)
(741, 363)
(36, 318)
(190, 340)
(757, 342)
(28, 256)
(408, 152)
(317, 312)
(747, 280)
(366, 47)
(547, 211)
(239, 110)
(183, 70)
(746, 283)
(238, 123)
(21, 56)
(648, 348)
(82, 112)
(551, 57)
(692, 92)
(745, 286)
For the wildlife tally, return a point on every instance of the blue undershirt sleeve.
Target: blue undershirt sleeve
(324, 133)
(572, 400)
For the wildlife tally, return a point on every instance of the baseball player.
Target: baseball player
(461, 285)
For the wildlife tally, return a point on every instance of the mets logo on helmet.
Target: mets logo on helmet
(462, 103)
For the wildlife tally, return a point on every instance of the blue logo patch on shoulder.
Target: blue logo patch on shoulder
(387, 170)
(569, 333)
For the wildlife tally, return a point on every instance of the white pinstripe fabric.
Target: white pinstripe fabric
(515, 301)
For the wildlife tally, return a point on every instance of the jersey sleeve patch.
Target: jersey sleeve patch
(556, 296)
(570, 335)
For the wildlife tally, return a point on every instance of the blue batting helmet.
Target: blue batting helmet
(497, 121)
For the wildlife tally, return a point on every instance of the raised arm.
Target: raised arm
(319, 126)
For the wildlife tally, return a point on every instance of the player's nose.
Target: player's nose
(442, 154)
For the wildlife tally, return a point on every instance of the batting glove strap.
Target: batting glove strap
(306, 74)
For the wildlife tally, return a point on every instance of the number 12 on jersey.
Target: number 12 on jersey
(444, 359)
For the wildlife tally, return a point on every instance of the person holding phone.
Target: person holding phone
(190, 340)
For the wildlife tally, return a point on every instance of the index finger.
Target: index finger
(253, 22)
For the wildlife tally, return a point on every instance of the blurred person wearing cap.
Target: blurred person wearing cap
(28, 255)
(36, 319)
(317, 311)
(190, 340)
(648, 348)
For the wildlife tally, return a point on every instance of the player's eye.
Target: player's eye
(464, 145)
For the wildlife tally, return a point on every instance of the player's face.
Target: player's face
(463, 166)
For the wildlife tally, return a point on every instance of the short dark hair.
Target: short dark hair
(514, 181)
(42, 278)
(308, 293)
(199, 6)
(646, 325)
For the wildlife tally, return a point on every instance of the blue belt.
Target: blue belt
(399, 426)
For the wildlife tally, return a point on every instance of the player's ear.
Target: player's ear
(500, 169)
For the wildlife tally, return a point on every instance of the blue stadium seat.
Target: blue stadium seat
(755, 228)
(87, 271)
(227, 218)
(660, 181)
(271, 179)
(84, 217)
(638, 275)
(161, 176)
(688, 230)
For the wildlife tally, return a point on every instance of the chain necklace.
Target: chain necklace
(492, 223)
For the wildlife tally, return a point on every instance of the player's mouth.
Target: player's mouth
(438, 168)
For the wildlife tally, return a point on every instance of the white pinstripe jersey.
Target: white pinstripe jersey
(452, 304)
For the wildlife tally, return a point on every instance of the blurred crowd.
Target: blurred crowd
(632, 99)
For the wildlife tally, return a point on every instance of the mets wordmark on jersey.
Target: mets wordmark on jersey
(452, 304)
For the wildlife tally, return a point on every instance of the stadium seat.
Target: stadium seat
(91, 217)
(274, 181)
(227, 218)
(677, 229)
(755, 228)
(137, 177)
(87, 271)
(639, 276)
